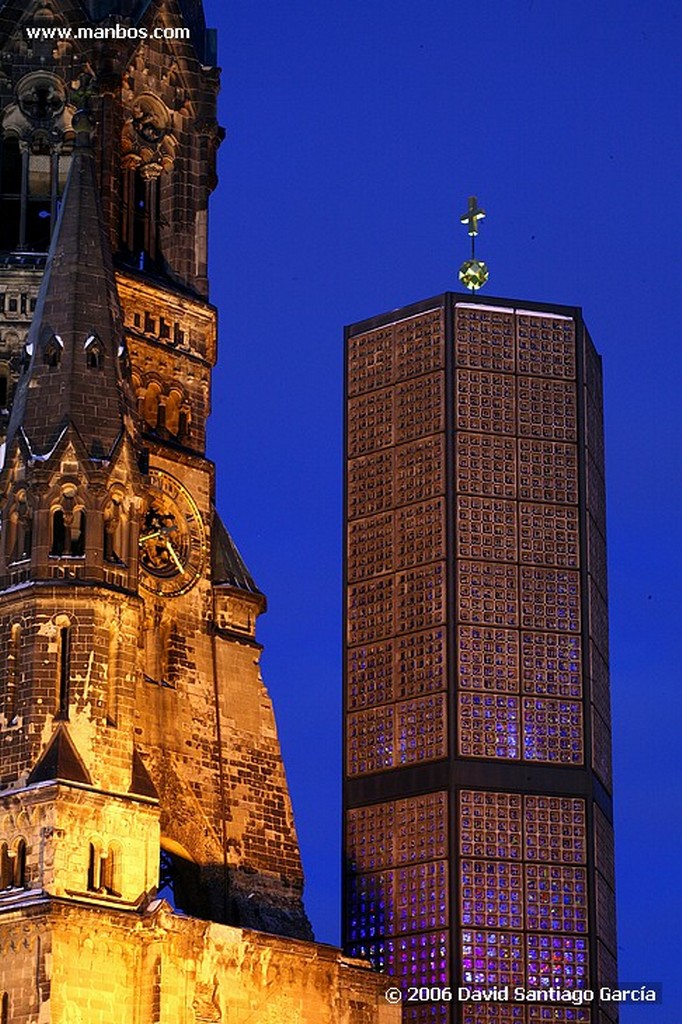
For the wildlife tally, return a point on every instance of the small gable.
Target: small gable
(60, 761)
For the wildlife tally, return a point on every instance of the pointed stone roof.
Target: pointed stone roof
(227, 565)
(141, 782)
(74, 376)
(60, 760)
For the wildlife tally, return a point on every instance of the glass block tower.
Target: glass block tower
(477, 799)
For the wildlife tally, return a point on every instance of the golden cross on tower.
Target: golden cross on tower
(473, 273)
(472, 216)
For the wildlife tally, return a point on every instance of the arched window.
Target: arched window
(63, 668)
(19, 879)
(78, 533)
(52, 354)
(68, 533)
(104, 869)
(93, 868)
(150, 407)
(39, 203)
(6, 869)
(32, 177)
(58, 533)
(141, 209)
(173, 413)
(11, 190)
(94, 353)
(26, 356)
(110, 871)
(4, 1008)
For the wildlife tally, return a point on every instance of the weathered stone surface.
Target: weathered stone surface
(64, 964)
(135, 727)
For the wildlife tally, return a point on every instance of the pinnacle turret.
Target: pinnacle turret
(75, 375)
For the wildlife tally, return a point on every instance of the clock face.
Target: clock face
(172, 538)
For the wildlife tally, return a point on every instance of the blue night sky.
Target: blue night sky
(356, 131)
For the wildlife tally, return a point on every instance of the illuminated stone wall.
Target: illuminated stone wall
(81, 965)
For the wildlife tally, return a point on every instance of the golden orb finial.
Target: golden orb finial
(473, 273)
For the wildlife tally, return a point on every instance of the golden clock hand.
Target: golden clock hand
(150, 536)
(172, 553)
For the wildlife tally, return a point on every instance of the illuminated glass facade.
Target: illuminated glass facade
(477, 803)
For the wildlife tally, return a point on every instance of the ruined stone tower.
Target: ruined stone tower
(138, 749)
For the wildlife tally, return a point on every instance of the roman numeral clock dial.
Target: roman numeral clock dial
(172, 538)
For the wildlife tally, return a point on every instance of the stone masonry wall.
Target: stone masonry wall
(69, 965)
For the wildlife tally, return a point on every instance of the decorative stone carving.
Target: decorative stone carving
(147, 141)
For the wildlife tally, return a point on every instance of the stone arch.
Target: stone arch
(6, 867)
(151, 403)
(111, 868)
(38, 142)
(177, 411)
(18, 855)
(68, 520)
(104, 866)
(52, 353)
(94, 852)
(179, 882)
(173, 404)
(64, 634)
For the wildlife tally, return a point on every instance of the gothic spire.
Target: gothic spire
(74, 376)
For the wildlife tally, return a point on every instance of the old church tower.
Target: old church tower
(138, 750)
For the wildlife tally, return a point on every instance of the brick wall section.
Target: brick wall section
(172, 346)
(105, 750)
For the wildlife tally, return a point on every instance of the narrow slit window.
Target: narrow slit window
(64, 669)
(68, 533)
(58, 533)
(20, 865)
(94, 353)
(109, 872)
(6, 872)
(78, 534)
(52, 355)
(93, 869)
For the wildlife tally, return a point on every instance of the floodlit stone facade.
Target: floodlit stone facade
(149, 864)
(78, 965)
